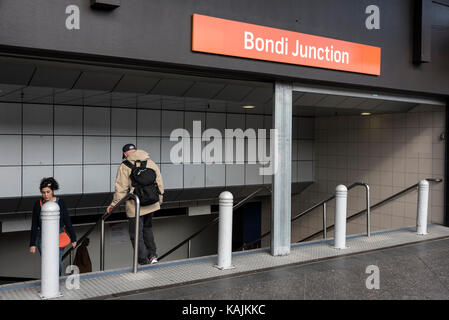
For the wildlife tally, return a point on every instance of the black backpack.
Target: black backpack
(143, 180)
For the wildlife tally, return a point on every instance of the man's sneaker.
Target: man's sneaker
(153, 260)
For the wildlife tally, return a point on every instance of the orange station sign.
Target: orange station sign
(238, 39)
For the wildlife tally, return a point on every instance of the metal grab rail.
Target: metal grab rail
(375, 206)
(215, 220)
(101, 221)
(323, 203)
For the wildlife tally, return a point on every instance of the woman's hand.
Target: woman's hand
(33, 249)
(74, 244)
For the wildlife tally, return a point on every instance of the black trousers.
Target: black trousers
(147, 246)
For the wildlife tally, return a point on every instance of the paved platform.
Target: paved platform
(100, 285)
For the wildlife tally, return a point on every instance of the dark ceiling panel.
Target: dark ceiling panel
(137, 84)
(260, 95)
(171, 87)
(55, 77)
(233, 93)
(204, 90)
(97, 81)
(15, 73)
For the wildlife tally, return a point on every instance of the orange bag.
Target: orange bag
(64, 239)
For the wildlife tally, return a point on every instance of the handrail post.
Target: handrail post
(368, 211)
(102, 245)
(136, 234)
(50, 251)
(341, 198)
(225, 231)
(324, 221)
(423, 202)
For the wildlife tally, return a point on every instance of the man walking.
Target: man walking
(123, 184)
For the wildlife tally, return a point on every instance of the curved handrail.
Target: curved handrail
(375, 206)
(355, 184)
(215, 220)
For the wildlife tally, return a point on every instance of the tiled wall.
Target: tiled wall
(389, 152)
(81, 147)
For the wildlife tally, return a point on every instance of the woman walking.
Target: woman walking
(47, 187)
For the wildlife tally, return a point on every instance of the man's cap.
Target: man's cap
(128, 147)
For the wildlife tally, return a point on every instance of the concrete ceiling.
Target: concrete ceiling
(34, 81)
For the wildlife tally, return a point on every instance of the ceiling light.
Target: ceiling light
(365, 114)
(249, 107)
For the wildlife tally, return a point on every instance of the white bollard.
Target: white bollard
(50, 251)
(225, 231)
(423, 203)
(341, 198)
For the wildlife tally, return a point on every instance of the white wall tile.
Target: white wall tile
(97, 150)
(97, 178)
(10, 150)
(70, 179)
(194, 175)
(37, 150)
(10, 118)
(68, 120)
(32, 177)
(152, 146)
(117, 144)
(123, 122)
(68, 150)
(96, 121)
(171, 120)
(11, 178)
(215, 175)
(235, 174)
(149, 123)
(37, 119)
(172, 176)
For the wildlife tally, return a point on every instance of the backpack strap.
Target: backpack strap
(128, 164)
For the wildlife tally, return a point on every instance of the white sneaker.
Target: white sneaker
(153, 260)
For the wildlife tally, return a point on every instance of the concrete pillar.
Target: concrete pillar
(423, 204)
(282, 178)
(225, 231)
(50, 251)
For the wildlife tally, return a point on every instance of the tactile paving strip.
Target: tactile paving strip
(164, 274)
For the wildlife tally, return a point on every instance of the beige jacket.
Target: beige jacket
(123, 184)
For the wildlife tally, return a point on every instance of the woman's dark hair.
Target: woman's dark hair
(49, 183)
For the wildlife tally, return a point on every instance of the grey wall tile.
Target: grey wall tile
(117, 144)
(306, 171)
(171, 120)
(10, 150)
(97, 150)
(11, 178)
(215, 175)
(252, 175)
(123, 122)
(172, 176)
(216, 121)
(37, 119)
(32, 177)
(97, 178)
(37, 150)
(68, 150)
(152, 145)
(149, 123)
(254, 122)
(306, 128)
(68, 120)
(114, 169)
(96, 121)
(10, 118)
(235, 121)
(306, 150)
(194, 176)
(190, 117)
(70, 179)
(235, 174)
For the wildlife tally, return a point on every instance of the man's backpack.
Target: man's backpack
(143, 181)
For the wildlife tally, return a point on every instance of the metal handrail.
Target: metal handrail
(375, 206)
(323, 203)
(215, 220)
(101, 221)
